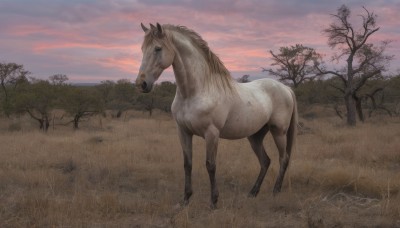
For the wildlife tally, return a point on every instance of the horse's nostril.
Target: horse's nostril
(144, 85)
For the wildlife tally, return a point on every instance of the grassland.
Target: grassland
(129, 173)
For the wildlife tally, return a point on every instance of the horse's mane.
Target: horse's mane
(216, 65)
(219, 75)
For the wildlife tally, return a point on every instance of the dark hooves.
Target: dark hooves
(252, 194)
(186, 199)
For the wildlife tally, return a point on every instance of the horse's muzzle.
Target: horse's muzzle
(142, 84)
(144, 87)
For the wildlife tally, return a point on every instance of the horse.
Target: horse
(209, 103)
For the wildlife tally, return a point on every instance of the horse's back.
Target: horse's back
(271, 87)
(268, 90)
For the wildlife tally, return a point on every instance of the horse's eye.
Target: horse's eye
(157, 49)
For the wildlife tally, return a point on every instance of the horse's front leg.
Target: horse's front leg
(186, 143)
(211, 137)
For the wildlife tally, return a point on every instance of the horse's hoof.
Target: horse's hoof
(252, 194)
(213, 206)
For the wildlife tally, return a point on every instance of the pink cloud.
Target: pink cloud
(125, 63)
(99, 39)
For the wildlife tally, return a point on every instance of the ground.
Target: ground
(128, 172)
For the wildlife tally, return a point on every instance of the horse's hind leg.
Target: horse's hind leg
(280, 139)
(256, 142)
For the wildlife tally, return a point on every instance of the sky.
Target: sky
(92, 41)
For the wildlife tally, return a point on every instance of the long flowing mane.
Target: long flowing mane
(215, 64)
(218, 75)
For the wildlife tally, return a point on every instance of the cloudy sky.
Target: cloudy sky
(91, 41)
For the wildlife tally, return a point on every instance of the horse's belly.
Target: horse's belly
(245, 122)
(238, 131)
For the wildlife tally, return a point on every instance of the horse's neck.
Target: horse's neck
(189, 69)
(185, 80)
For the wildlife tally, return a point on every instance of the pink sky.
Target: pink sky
(91, 41)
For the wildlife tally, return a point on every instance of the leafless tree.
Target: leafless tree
(295, 64)
(363, 60)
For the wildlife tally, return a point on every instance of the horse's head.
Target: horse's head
(157, 56)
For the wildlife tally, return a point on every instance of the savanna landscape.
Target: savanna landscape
(84, 150)
(128, 172)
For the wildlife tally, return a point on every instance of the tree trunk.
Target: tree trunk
(119, 113)
(351, 109)
(349, 98)
(76, 122)
(41, 124)
(359, 108)
(47, 124)
(6, 101)
(338, 112)
(151, 106)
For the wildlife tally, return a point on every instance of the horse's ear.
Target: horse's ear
(144, 27)
(159, 30)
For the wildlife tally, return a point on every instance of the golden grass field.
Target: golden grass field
(129, 173)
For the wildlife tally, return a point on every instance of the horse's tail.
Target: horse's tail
(292, 131)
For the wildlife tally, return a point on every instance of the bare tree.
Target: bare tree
(295, 64)
(363, 60)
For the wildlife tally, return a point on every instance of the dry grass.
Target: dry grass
(129, 173)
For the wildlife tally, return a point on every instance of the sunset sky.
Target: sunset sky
(91, 41)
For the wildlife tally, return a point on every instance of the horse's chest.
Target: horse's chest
(194, 116)
(191, 121)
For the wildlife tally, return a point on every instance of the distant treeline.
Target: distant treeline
(21, 94)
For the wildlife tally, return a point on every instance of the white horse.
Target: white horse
(210, 104)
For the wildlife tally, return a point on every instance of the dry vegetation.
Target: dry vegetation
(129, 173)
